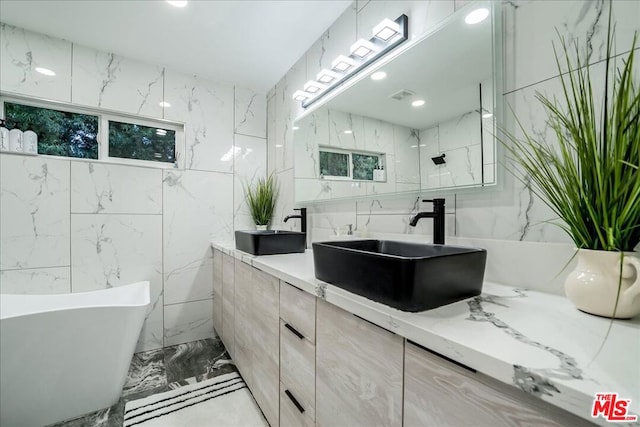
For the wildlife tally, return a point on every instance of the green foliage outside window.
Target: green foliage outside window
(363, 166)
(131, 141)
(334, 164)
(59, 133)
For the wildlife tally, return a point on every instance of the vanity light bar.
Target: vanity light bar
(386, 35)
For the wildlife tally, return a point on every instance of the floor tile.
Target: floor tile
(200, 359)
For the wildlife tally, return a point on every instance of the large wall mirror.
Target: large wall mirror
(428, 124)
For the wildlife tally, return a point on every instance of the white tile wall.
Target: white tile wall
(249, 166)
(113, 250)
(188, 322)
(112, 82)
(34, 219)
(108, 188)
(250, 113)
(196, 210)
(22, 51)
(53, 280)
(207, 109)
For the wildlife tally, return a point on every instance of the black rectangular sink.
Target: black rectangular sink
(407, 276)
(271, 242)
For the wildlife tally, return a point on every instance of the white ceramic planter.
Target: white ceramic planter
(593, 286)
(261, 227)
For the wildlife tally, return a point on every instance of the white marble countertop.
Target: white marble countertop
(535, 341)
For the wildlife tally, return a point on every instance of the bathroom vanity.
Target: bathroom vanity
(315, 354)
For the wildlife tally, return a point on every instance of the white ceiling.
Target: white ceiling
(249, 43)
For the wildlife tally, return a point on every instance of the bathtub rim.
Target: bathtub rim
(19, 305)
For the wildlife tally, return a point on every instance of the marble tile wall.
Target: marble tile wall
(71, 225)
(509, 211)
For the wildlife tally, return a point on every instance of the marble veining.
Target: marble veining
(34, 219)
(568, 365)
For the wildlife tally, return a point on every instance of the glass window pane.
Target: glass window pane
(130, 141)
(60, 133)
(363, 166)
(334, 164)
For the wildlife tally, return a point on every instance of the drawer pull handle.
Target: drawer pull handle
(295, 402)
(294, 331)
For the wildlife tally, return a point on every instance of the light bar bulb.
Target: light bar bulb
(343, 63)
(362, 48)
(327, 76)
(313, 87)
(301, 95)
(386, 29)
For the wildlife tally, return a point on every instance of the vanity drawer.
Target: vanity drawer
(297, 368)
(298, 308)
(290, 414)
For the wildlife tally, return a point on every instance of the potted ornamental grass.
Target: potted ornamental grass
(589, 175)
(261, 199)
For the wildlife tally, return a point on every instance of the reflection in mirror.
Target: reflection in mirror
(428, 124)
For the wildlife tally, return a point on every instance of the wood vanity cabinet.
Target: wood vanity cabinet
(228, 303)
(257, 333)
(310, 363)
(217, 292)
(358, 371)
(440, 393)
(297, 357)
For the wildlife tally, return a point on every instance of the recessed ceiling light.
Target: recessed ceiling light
(477, 16)
(296, 127)
(177, 3)
(164, 104)
(378, 75)
(45, 71)
(348, 131)
(417, 103)
(278, 145)
(487, 115)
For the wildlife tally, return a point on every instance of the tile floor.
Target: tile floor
(160, 370)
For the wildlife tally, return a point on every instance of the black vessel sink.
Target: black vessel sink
(270, 242)
(407, 276)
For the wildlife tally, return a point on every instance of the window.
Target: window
(334, 164)
(60, 133)
(76, 132)
(348, 165)
(133, 141)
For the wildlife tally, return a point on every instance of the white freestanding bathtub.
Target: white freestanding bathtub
(65, 355)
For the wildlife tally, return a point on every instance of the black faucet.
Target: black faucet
(302, 216)
(438, 220)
